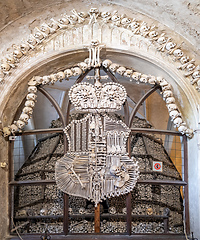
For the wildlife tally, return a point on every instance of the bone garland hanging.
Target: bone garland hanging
(97, 164)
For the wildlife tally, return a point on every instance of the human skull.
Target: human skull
(144, 28)
(17, 53)
(128, 73)
(30, 103)
(153, 34)
(68, 73)
(171, 107)
(182, 129)
(178, 53)
(115, 170)
(167, 87)
(82, 210)
(32, 82)
(53, 78)
(32, 89)
(94, 10)
(31, 96)
(63, 21)
(83, 14)
(134, 25)
(13, 128)
(113, 67)
(159, 80)
(60, 75)
(190, 67)
(6, 131)
(10, 59)
(32, 41)
(170, 100)
(125, 21)
(163, 83)
(105, 14)
(76, 71)
(45, 80)
(53, 25)
(83, 66)
(24, 48)
(152, 80)
(70, 210)
(189, 133)
(167, 94)
(24, 117)
(115, 18)
(196, 74)
(161, 40)
(45, 29)
(121, 70)
(106, 63)
(144, 78)
(28, 110)
(20, 124)
(170, 45)
(94, 42)
(38, 35)
(178, 121)
(136, 76)
(184, 59)
(43, 211)
(149, 211)
(174, 114)
(5, 67)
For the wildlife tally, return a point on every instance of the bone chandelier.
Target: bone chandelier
(97, 164)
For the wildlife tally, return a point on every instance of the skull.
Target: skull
(13, 129)
(60, 76)
(31, 96)
(45, 29)
(53, 25)
(163, 83)
(125, 21)
(121, 70)
(134, 25)
(189, 133)
(53, 78)
(76, 71)
(94, 42)
(136, 76)
(161, 40)
(17, 53)
(184, 59)
(178, 53)
(5, 67)
(167, 94)
(170, 45)
(6, 131)
(43, 211)
(105, 14)
(32, 41)
(144, 28)
(167, 87)
(24, 117)
(115, 170)
(32, 82)
(106, 63)
(153, 34)
(38, 35)
(190, 67)
(32, 89)
(24, 48)
(113, 67)
(159, 80)
(45, 80)
(10, 60)
(82, 210)
(182, 129)
(83, 66)
(28, 110)
(144, 78)
(128, 73)
(20, 124)
(83, 14)
(152, 80)
(171, 107)
(63, 21)
(94, 10)
(30, 103)
(170, 100)
(68, 73)
(149, 211)
(115, 18)
(196, 74)
(174, 114)
(70, 210)
(178, 121)
(39, 80)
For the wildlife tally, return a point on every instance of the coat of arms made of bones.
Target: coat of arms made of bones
(97, 164)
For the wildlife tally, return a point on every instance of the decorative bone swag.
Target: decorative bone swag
(97, 164)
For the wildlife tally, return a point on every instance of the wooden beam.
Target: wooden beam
(97, 219)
